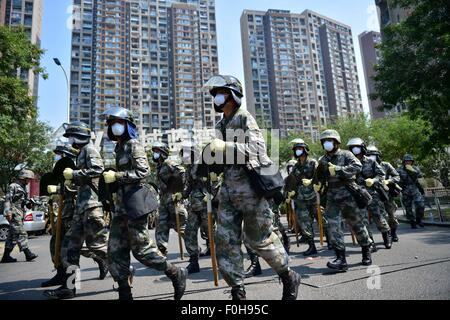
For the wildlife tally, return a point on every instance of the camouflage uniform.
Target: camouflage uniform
(130, 234)
(371, 169)
(411, 193)
(87, 223)
(238, 203)
(390, 205)
(339, 199)
(15, 201)
(167, 206)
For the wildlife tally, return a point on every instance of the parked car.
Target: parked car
(4, 228)
(34, 222)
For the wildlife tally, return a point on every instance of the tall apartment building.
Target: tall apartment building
(26, 13)
(149, 56)
(300, 69)
(390, 14)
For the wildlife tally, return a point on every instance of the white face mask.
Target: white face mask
(57, 157)
(356, 151)
(328, 146)
(374, 158)
(219, 99)
(299, 152)
(118, 129)
(156, 156)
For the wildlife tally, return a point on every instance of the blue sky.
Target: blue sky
(56, 37)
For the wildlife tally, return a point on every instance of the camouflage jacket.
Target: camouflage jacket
(89, 169)
(195, 188)
(15, 198)
(69, 204)
(131, 162)
(370, 169)
(347, 165)
(168, 172)
(244, 145)
(409, 180)
(304, 171)
(390, 172)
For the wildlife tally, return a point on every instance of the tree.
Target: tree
(414, 69)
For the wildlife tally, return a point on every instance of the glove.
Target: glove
(68, 174)
(205, 199)
(387, 182)
(317, 187)
(110, 177)
(204, 179)
(370, 182)
(332, 169)
(289, 196)
(68, 183)
(177, 196)
(307, 182)
(409, 167)
(52, 189)
(217, 145)
(213, 176)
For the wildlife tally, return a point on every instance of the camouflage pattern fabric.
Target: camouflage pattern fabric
(410, 193)
(15, 200)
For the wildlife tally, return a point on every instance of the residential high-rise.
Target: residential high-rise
(390, 14)
(26, 13)
(300, 70)
(149, 56)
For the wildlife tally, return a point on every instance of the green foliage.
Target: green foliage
(414, 70)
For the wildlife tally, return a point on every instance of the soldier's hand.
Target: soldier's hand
(68, 183)
(409, 167)
(52, 189)
(213, 177)
(205, 199)
(307, 182)
(386, 182)
(332, 169)
(68, 174)
(317, 187)
(370, 182)
(217, 145)
(110, 177)
(177, 196)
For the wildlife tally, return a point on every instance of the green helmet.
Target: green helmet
(299, 143)
(408, 157)
(373, 151)
(26, 174)
(225, 82)
(77, 129)
(119, 113)
(330, 134)
(67, 150)
(162, 147)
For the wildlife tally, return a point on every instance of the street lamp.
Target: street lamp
(58, 63)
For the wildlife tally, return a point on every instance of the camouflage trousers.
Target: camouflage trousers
(86, 226)
(196, 220)
(65, 226)
(244, 216)
(167, 221)
(17, 234)
(305, 212)
(391, 207)
(419, 203)
(132, 235)
(377, 214)
(340, 204)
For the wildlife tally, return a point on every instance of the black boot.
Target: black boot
(302, 239)
(62, 292)
(163, 251)
(57, 280)
(291, 281)
(238, 293)
(102, 267)
(373, 246)
(193, 266)
(30, 256)
(255, 268)
(340, 263)
(413, 225)
(366, 258)
(419, 222)
(394, 234)
(7, 257)
(327, 239)
(125, 292)
(311, 249)
(387, 239)
(206, 253)
(178, 277)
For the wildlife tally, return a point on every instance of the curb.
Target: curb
(427, 223)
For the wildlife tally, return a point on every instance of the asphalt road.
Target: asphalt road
(417, 267)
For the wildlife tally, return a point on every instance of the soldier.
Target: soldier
(16, 201)
(133, 202)
(303, 193)
(242, 211)
(412, 191)
(371, 177)
(170, 177)
(67, 213)
(391, 180)
(87, 223)
(337, 169)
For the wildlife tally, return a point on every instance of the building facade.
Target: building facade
(300, 70)
(150, 56)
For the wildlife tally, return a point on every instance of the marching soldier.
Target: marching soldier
(87, 223)
(371, 177)
(170, 176)
(243, 212)
(391, 180)
(16, 201)
(303, 195)
(412, 191)
(337, 169)
(133, 202)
